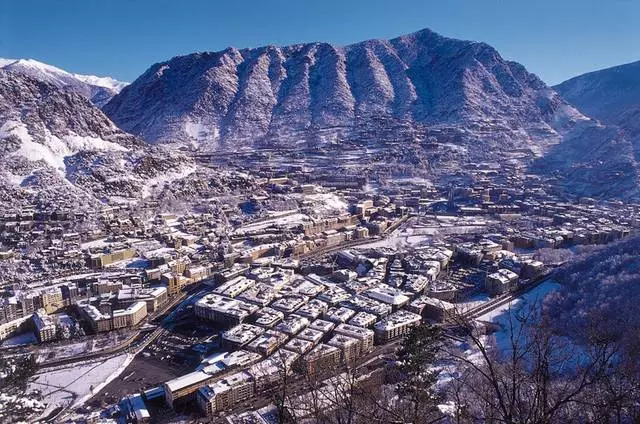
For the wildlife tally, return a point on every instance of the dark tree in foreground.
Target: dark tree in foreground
(16, 371)
(416, 390)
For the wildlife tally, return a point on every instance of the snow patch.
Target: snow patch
(199, 132)
(330, 200)
(54, 150)
(106, 82)
(506, 315)
(77, 384)
(159, 181)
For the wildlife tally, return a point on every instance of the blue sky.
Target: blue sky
(556, 39)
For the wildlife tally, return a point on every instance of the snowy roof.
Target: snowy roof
(192, 378)
(353, 331)
(242, 333)
(388, 295)
(397, 319)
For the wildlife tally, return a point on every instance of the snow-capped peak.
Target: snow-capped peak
(34, 64)
(4, 62)
(97, 89)
(106, 82)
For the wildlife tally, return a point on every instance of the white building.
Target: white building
(396, 325)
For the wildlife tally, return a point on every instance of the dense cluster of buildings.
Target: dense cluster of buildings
(318, 322)
(282, 305)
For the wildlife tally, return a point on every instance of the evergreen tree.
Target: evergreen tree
(416, 390)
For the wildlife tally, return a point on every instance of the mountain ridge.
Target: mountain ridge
(459, 102)
(97, 89)
(611, 95)
(209, 98)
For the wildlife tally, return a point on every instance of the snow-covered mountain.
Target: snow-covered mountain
(58, 147)
(97, 89)
(236, 98)
(460, 98)
(610, 95)
(609, 153)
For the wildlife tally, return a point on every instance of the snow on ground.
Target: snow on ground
(93, 344)
(499, 316)
(401, 237)
(329, 201)
(199, 132)
(158, 182)
(64, 351)
(473, 302)
(10, 403)
(16, 179)
(288, 220)
(519, 306)
(116, 367)
(76, 384)
(53, 150)
(79, 143)
(99, 243)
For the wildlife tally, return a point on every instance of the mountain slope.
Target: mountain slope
(97, 89)
(610, 95)
(245, 97)
(56, 147)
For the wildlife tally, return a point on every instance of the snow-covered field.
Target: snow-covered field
(92, 344)
(64, 351)
(506, 315)
(72, 386)
(54, 150)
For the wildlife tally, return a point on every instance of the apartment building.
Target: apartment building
(100, 260)
(349, 346)
(396, 325)
(268, 317)
(225, 393)
(52, 300)
(267, 342)
(129, 317)
(241, 335)
(501, 281)
(364, 335)
(44, 326)
(224, 310)
(321, 358)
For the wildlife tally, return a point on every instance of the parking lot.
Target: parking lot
(178, 351)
